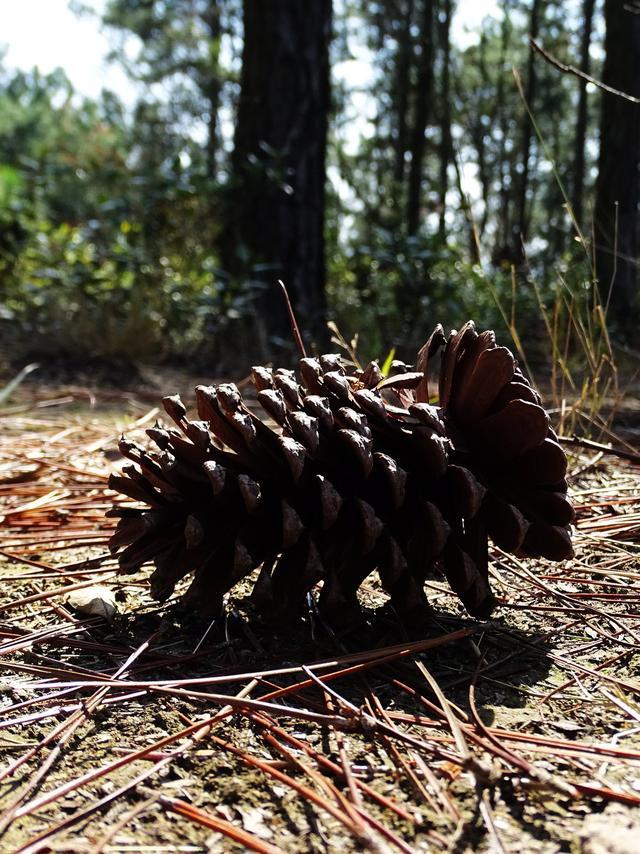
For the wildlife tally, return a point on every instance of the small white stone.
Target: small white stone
(95, 601)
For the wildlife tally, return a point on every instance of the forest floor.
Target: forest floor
(155, 731)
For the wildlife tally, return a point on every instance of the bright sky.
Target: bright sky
(47, 34)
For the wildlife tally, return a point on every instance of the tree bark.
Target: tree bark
(403, 66)
(445, 122)
(423, 98)
(275, 219)
(616, 223)
(577, 194)
(527, 134)
(213, 87)
(504, 215)
(478, 134)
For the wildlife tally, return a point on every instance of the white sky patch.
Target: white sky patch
(467, 20)
(46, 34)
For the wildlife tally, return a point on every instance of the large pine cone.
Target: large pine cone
(362, 473)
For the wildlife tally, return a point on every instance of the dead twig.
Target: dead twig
(580, 442)
(571, 69)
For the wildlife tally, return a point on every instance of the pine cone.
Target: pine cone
(361, 473)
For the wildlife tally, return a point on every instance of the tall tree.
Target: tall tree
(179, 46)
(616, 225)
(403, 72)
(422, 110)
(577, 188)
(444, 34)
(504, 220)
(275, 220)
(527, 132)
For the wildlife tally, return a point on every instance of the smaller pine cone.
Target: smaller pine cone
(359, 473)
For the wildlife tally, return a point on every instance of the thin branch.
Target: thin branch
(578, 442)
(571, 69)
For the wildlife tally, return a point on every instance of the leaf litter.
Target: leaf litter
(158, 731)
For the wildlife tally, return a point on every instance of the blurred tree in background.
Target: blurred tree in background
(618, 188)
(276, 192)
(445, 176)
(179, 46)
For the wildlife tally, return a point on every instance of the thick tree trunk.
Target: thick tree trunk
(275, 221)
(423, 99)
(616, 224)
(577, 190)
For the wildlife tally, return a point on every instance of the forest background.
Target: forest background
(391, 174)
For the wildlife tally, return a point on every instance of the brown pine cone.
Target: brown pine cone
(360, 473)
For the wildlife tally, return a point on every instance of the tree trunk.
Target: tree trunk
(423, 98)
(478, 134)
(275, 219)
(617, 191)
(527, 134)
(577, 194)
(403, 66)
(504, 215)
(212, 22)
(445, 122)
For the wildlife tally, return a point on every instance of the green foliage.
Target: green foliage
(460, 264)
(106, 230)
(111, 219)
(407, 287)
(70, 296)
